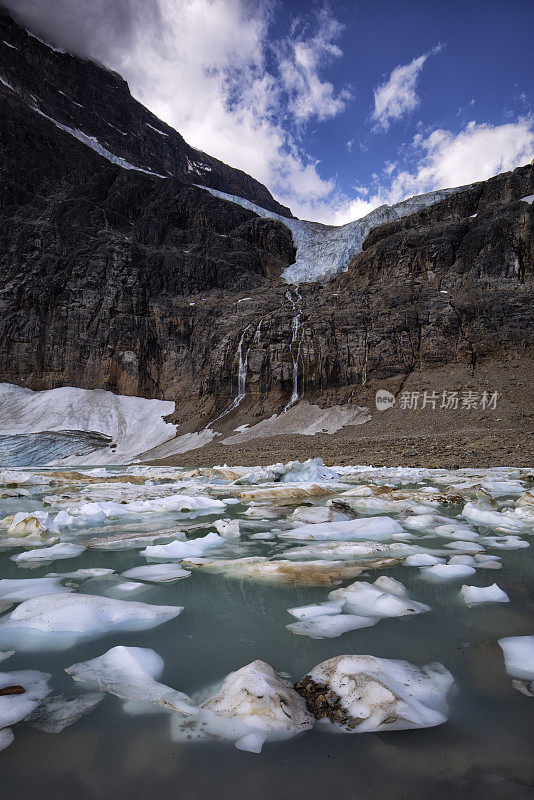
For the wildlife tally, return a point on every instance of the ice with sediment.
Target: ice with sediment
(43, 555)
(56, 713)
(518, 656)
(29, 524)
(252, 705)
(83, 574)
(473, 595)
(367, 694)
(15, 707)
(59, 621)
(157, 573)
(350, 530)
(16, 590)
(228, 528)
(131, 673)
(191, 548)
(311, 515)
(380, 505)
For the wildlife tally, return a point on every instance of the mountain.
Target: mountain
(133, 263)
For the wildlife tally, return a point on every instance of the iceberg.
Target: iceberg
(59, 621)
(252, 705)
(157, 573)
(43, 555)
(56, 713)
(188, 549)
(131, 673)
(447, 572)
(17, 590)
(350, 530)
(518, 656)
(363, 694)
(483, 594)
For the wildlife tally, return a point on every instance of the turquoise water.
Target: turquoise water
(484, 750)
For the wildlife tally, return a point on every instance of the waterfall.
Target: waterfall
(365, 354)
(295, 339)
(242, 366)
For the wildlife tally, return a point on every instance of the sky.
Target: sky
(337, 108)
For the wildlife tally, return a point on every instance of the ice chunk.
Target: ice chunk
(385, 598)
(350, 550)
(56, 713)
(59, 621)
(16, 705)
(189, 549)
(305, 573)
(18, 589)
(505, 542)
(422, 560)
(467, 547)
(518, 656)
(45, 554)
(251, 705)
(229, 528)
(330, 626)
(360, 694)
(447, 571)
(500, 521)
(6, 738)
(483, 594)
(318, 609)
(157, 573)
(83, 574)
(131, 673)
(350, 530)
(313, 514)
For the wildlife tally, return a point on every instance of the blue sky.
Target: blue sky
(337, 108)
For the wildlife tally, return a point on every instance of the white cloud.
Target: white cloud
(397, 96)
(444, 159)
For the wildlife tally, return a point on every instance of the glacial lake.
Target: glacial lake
(232, 617)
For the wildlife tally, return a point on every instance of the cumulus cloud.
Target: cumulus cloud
(443, 159)
(397, 96)
(211, 69)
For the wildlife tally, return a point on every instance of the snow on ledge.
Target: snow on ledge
(133, 423)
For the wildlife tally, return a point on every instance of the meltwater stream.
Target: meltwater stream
(267, 540)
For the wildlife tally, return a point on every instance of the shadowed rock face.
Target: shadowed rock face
(117, 279)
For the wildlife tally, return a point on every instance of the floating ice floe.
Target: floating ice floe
(422, 560)
(157, 573)
(176, 503)
(59, 621)
(304, 573)
(134, 541)
(56, 713)
(228, 528)
(293, 472)
(312, 515)
(190, 548)
(16, 590)
(447, 572)
(20, 691)
(519, 656)
(505, 542)
(131, 673)
(82, 574)
(501, 522)
(284, 494)
(483, 594)
(34, 525)
(351, 550)
(252, 705)
(466, 547)
(350, 530)
(362, 694)
(362, 605)
(44, 555)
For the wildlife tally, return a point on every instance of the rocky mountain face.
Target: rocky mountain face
(115, 277)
